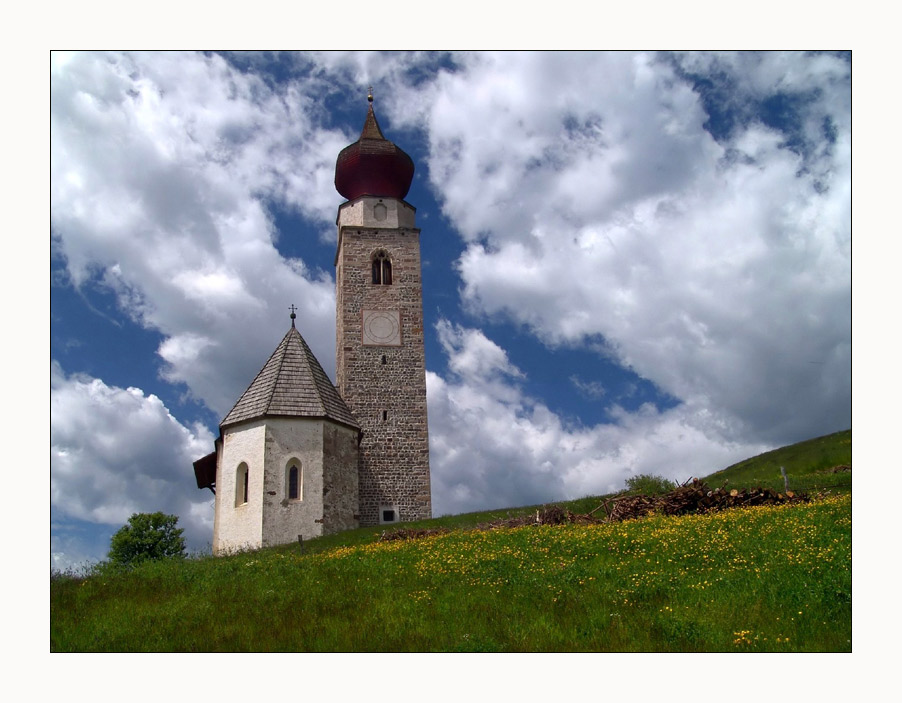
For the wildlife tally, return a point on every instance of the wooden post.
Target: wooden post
(785, 479)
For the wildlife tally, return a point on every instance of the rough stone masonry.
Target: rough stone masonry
(381, 371)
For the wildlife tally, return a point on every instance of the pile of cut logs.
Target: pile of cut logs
(694, 496)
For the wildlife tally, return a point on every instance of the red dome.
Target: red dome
(373, 165)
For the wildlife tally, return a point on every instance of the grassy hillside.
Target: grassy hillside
(808, 464)
(759, 579)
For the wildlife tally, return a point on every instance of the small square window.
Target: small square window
(388, 514)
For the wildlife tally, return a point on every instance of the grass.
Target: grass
(762, 579)
(808, 465)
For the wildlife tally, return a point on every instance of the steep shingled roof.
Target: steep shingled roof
(371, 128)
(293, 384)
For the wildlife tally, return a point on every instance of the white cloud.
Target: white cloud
(588, 389)
(493, 446)
(115, 452)
(596, 205)
(473, 356)
(161, 166)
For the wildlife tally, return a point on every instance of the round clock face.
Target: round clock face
(381, 328)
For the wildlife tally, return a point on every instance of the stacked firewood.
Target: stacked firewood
(694, 496)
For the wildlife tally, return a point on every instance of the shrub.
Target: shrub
(647, 484)
(147, 536)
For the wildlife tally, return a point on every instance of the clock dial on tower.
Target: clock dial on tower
(381, 328)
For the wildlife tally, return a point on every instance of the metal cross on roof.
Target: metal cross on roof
(292, 308)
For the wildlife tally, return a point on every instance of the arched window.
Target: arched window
(294, 480)
(381, 269)
(242, 475)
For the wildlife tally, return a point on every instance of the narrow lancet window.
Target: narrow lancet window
(293, 483)
(381, 269)
(241, 482)
(294, 478)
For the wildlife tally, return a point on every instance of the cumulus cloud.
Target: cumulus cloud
(162, 169)
(597, 204)
(116, 451)
(492, 445)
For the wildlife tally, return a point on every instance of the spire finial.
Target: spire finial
(292, 308)
(369, 94)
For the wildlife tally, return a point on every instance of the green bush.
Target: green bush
(649, 485)
(146, 536)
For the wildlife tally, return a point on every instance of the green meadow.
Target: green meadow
(773, 578)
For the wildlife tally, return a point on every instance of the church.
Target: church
(298, 457)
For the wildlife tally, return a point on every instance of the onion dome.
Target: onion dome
(373, 165)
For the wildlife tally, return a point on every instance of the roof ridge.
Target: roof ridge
(251, 385)
(272, 392)
(312, 364)
(291, 387)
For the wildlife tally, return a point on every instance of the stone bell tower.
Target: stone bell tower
(381, 367)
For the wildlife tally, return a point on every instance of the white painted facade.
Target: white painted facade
(238, 527)
(326, 454)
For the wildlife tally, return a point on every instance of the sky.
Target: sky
(632, 262)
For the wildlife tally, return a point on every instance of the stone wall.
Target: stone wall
(340, 480)
(290, 438)
(384, 386)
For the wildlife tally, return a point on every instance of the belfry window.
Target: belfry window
(242, 476)
(294, 480)
(381, 269)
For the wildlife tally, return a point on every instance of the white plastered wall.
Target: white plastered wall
(240, 527)
(365, 212)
